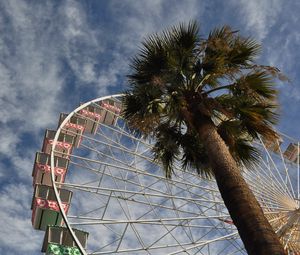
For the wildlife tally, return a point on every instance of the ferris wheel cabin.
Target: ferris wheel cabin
(41, 169)
(58, 240)
(46, 212)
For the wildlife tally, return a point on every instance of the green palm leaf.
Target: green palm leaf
(205, 101)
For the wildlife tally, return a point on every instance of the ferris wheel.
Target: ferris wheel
(97, 190)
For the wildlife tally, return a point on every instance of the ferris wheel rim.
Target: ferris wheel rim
(52, 172)
(54, 183)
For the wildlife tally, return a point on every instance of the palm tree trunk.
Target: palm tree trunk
(254, 229)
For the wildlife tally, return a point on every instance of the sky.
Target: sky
(57, 54)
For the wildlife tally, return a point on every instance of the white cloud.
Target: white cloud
(142, 18)
(258, 16)
(44, 44)
(17, 234)
(33, 42)
(30, 76)
(8, 142)
(135, 21)
(82, 44)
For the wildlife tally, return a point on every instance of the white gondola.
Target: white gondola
(105, 112)
(110, 110)
(58, 240)
(45, 210)
(292, 152)
(41, 169)
(75, 126)
(273, 145)
(63, 146)
(92, 115)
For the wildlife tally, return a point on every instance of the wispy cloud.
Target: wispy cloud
(17, 236)
(258, 16)
(54, 54)
(37, 41)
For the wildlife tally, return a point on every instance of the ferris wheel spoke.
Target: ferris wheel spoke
(192, 194)
(274, 208)
(288, 182)
(138, 155)
(203, 243)
(127, 215)
(152, 208)
(260, 176)
(184, 222)
(121, 149)
(282, 182)
(168, 232)
(265, 197)
(181, 179)
(147, 221)
(215, 207)
(126, 212)
(287, 241)
(239, 249)
(120, 130)
(156, 204)
(111, 144)
(94, 189)
(158, 247)
(263, 193)
(137, 171)
(263, 175)
(190, 237)
(122, 198)
(150, 247)
(270, 195)
(215, 227)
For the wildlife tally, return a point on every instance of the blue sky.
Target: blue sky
(56, 54)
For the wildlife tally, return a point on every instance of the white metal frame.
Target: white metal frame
(272, 185)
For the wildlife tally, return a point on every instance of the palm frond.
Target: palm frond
(194, 155)
(243, 52)
(183, 37)
(178, 79)
(258, 85)
(258, 119)
(182, 42)
(166, 149)
(141, 110)
(151, 61)
(226, 53)
(238, 142)
(258, 112)
(245, 153)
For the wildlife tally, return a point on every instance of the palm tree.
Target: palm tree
(204, 101)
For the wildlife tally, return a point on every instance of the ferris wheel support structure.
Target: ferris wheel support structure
(121, 197)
